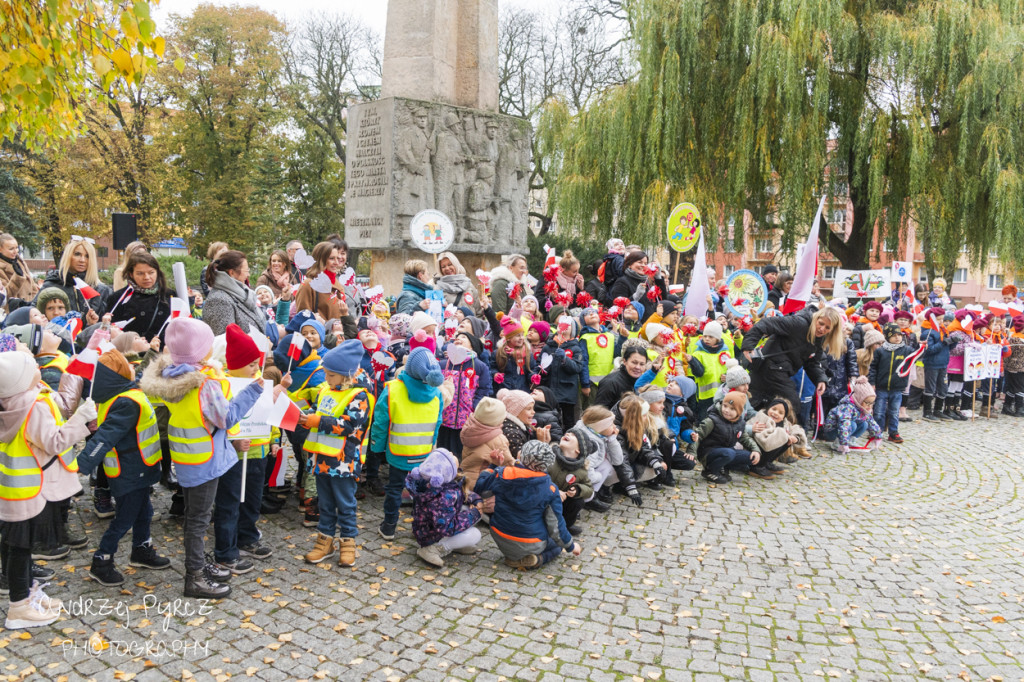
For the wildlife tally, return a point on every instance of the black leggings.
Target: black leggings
(17, 566)
(568, 411)
(767, 384)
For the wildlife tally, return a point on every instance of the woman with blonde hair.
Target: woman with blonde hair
(119, 279)
(792, 342)
(79, 260)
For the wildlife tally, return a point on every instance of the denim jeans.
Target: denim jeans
(887, 409)
(337, 501)
(198, 511)
(393, 495)
(234, 521)
(133, 512)
(859, 428)
(717, 460)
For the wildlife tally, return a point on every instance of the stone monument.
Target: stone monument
(435, 140)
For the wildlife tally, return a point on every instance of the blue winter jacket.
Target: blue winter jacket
(413, 291)
(527, 506)
(936, 355)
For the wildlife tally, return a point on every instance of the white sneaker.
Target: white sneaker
(432, 554)
(31, 612)
(45, 600)
(841, 449)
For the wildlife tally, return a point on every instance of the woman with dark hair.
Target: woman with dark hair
(623, 380)
(230, 298)
(637, 284)
(279, 275)
(329, 260)
(145, 301)
(342, 247)
(783, 284)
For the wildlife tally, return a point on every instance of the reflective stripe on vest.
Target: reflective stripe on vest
(601, 349)
(412, 425)
(21, 477)
(147, 434)
(661, 378)
(191, 444)
(59, 361)
(714, 370)
(67, 458)
(333, 404)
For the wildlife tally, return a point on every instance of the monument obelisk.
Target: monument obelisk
(435, 140)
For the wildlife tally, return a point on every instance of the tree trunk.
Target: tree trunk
(680, 267)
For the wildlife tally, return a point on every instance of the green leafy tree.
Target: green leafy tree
(16, 200)
(914, 108)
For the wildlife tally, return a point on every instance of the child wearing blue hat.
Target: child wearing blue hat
(337, 431)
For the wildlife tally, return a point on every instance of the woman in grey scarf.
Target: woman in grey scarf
(231, 299)
(454, 282)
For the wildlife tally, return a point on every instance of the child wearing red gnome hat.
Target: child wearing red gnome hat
(237, 540)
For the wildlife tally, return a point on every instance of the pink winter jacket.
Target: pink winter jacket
(47, 441)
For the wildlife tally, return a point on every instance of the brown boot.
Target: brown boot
(347, 552)
(323, 549)
(802, 452)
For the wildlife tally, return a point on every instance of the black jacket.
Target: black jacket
(149, 310)
(545, 412)
(626, 286)
(884, 364)
(613, 387)
(78, 302)
(566, 368)
(787, 348)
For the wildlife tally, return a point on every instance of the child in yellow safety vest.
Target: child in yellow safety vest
(127, 445)
(33, 437)
(601, 346)
(338, 432)
(202, 416)
(236, 538)
(405, 425)
(708, 366)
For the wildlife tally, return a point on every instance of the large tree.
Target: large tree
(763, 105)
(225, 121)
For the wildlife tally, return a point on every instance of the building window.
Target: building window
(923, 277)
(763, 245)
(728, 270)
(885, 247)
(828, 272)
(995, 281)
(839, 216)
(102, 252)
(963, 248)
(729, 245)
(960, 276)
(993, 253)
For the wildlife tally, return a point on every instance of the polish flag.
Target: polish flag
(87, 291)
(125, 297)
(806, 269)
(284, 414)
(74, 325)
(83, 364)
(179, 308)
(297, 344)
(279, 473)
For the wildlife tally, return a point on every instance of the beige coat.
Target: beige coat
(18, 286)
(476, 459)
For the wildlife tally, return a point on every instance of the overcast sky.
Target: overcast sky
(373, 12)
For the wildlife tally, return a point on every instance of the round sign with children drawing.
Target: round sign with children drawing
(747, 293)
(684, 227)
(432, 231)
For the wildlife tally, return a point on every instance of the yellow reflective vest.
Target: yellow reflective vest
(601, 351)
(189, 439)
(714, 370)
(60, 361)
(21, 472)
(411, 426)
(333, 403)
(147, 434)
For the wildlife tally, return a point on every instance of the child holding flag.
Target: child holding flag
(338, 433)
(201, 416)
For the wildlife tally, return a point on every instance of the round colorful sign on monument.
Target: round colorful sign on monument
(748, 293)
(432, 231)
(684, 225)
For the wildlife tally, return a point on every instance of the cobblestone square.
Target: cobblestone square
(894, 565)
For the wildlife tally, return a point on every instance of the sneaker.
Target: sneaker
(215, 571)
(376, 487)
(311, 518)
(761, 472)
(42, 572)
(75, 541)
(387, 530)
(931, 416)
(528, 561)
(144, 556)
(895, 438)
(432, 555)
(775, 468)
(942, 416)
(256, 551)
(239, 566)
(726, 475)
(346, 552)
(30, 612)
(717, 478)
(322, 550)
(102, 503)
(103, 571)
(202, 586)
(50, 553)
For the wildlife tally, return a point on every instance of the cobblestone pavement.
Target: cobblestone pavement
(895, 565)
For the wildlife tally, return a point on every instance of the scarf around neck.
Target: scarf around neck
(14, 264)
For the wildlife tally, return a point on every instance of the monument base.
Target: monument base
(387, 266)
